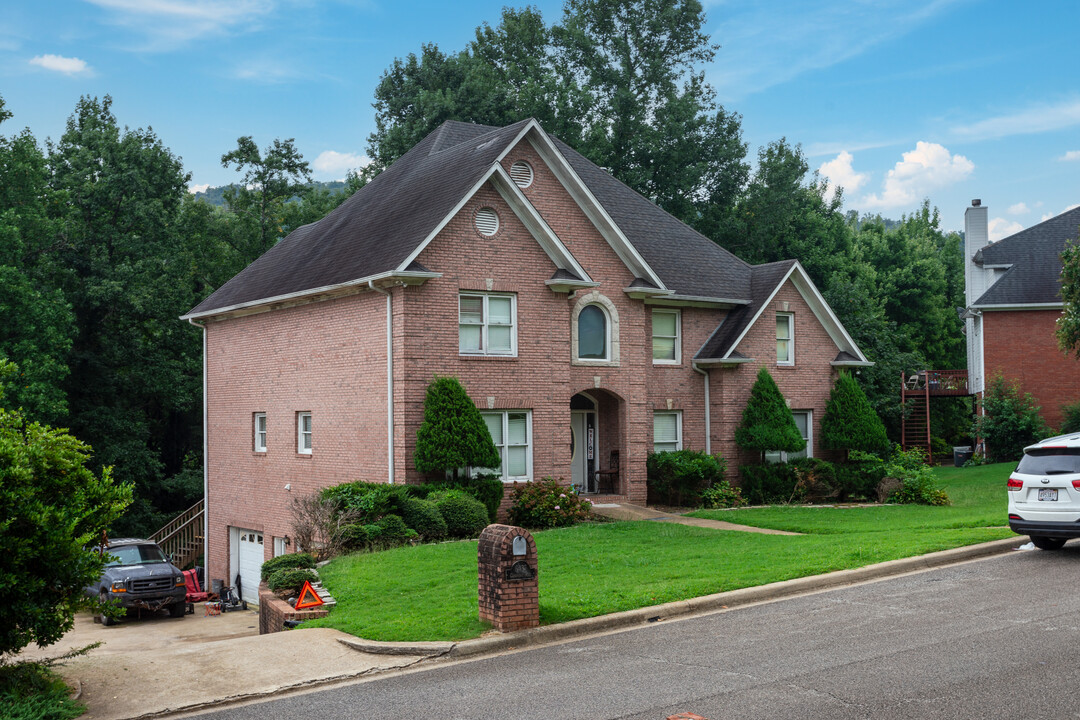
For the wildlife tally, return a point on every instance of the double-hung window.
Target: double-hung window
(487, 324)
(260, 432)
(804, 420)
(785, 341)
(667, 431)
(511, 431)
(303, 433)
(665, 337)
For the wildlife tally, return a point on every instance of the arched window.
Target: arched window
(592, 333)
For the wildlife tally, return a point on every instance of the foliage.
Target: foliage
(290, 579)
(54, 509)
(679, 477)
(424, 517)
(767, 422)
(548, 503)
(33, 691)
(918, 484)
(485, 487)
(465, 516)
(1068, 325)
(281, 562)
(859, 476)
(722, 495)
(1070, 422)
(393, 531)
(368, 501)
(849, 422)
(453, 434)
(816, 480)
(319, 525)
(1010, 421)
(805, 480)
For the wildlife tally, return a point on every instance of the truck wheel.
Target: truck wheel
(177, 609)
(105, 619)
(1047, 543)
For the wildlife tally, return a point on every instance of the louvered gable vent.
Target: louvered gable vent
(521, 173)
(487, 221)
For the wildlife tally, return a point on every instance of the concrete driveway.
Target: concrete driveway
(160, 664)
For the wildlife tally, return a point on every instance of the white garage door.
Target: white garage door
(249, 554)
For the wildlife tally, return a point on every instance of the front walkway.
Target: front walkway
(626, 511)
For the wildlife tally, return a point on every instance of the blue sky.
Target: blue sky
(896, 101)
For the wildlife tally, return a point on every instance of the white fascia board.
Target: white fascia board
(1020, 306)
(851, 363)
(326, 292)
(724, 361)
(592, 208)
(673, 300)
(1000, 266)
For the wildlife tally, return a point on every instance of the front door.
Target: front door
(583, 450)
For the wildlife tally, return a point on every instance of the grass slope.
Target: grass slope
(429, 592)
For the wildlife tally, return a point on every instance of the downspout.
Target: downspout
(389, 379)
(708, 409)
(205, 456)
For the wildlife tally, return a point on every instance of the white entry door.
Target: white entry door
(248, 552)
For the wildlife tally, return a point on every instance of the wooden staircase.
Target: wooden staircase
(915, 423)
(182, 537)
(915, 393)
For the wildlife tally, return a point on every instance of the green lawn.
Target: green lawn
(429, 592)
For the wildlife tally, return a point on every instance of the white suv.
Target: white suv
(1044, 492)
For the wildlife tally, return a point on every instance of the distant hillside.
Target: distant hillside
(216, 195)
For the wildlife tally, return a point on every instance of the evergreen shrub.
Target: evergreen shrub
(722, 495)
(850, 423)
(424, 517)
(767, 423)
(548, 503)
(465, 516)
(1011, 420)
(486, 488)
(290, 580)
(768, 484)
(858, 479)
(393, 531)
(678, 477)
(816, 480)
(282, 562)
(453, 435)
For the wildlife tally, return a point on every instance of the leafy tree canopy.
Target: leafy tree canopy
(453, 435)
(767, 423)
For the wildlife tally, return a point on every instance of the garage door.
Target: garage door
(249, 549)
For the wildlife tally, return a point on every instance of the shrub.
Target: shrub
(290, 580)
(767, 423)
(465, 516)
(768, 484)
(1071, 418)
(1010, 422)
(548, 503)
(319, 525)
(369, 501)
(722, 495)
(486, 488)
(393, 531)
(849, 422)
(453, 434)
(33, 691)
(424, 517)
(917, 482)
(359, 536)
(816, 480)
(678, 477)
(281, 562)
(859, 477)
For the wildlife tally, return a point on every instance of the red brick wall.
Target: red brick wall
(1020, 344)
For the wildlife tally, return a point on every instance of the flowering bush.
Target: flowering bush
(548, 503)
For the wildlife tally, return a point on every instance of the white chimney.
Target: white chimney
(976, 237)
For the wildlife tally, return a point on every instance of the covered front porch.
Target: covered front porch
(597, 455)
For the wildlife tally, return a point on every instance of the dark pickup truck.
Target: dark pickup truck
(139, 575)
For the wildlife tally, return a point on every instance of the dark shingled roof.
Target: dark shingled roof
(764, 280)
(1035, 256)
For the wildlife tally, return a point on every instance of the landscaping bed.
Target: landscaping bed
(429, 592)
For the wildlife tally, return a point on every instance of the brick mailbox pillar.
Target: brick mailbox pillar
(509, 592)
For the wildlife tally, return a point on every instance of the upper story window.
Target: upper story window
(303, 433)
(260, 432)
(487, 324)
(665, 337)
(785, 340)
(593, 333)
(667, 431)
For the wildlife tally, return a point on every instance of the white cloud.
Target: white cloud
(1018, 209)
(198, 188)
(929, 166)
(331, 162)
(841, 174)
(1001, 228)
(1036, 119)
(58, 63)
(168, 23)
(1070, 156)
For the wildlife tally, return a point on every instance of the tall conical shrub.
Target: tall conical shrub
(849, 422)
(767, 423)
(453, 436)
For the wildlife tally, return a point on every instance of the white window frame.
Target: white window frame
(504, 414)
(485, 323)
(777, 456)
(259, 431)
(678, 427)
(303, 448)
(790, 338)
(677, 360)
(607, 335)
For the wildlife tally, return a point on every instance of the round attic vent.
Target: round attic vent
(487, 221)
(522, 174)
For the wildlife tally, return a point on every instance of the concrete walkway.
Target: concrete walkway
(625, 511)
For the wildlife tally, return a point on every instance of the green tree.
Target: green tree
(767, 423)
(453, 435)
(54, 508)
(1010, 420)
(1068, 325)
(849, 422)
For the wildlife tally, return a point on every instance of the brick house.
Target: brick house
(589, 326)
(1013, 295)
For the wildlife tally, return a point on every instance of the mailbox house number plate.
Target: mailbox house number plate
(519, 571)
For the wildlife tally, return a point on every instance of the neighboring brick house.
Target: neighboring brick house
(585, 322)
(1013, 295)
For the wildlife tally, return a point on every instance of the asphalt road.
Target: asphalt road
(987, 639)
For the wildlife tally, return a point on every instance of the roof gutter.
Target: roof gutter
(389, 379)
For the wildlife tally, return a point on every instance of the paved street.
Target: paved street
(992, 638)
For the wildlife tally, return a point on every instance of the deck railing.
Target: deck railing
(182, 537)
(937, 382)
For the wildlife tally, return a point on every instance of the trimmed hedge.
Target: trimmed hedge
(291, 579)
(286, 562)
(424, 517)
(678, 477)
(465, 516)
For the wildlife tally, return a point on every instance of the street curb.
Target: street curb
(683, 608)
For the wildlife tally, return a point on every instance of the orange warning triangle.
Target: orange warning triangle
(308, 597)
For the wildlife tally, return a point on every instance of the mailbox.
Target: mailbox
(509, 595)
